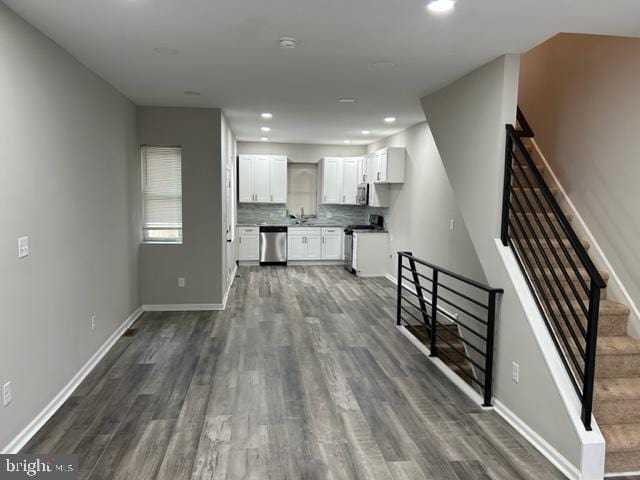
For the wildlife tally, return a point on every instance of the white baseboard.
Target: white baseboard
(183, 307)
(622, 475)
(226, 294)
(560, 462)
(36, 424)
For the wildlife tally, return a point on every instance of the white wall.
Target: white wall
(467, 120)
(580, 95)
(300, 152)
(421, 208)
(68, 156)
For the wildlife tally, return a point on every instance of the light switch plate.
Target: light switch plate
(181, 282)
(6, 394)
(23, 247)
(515, 372)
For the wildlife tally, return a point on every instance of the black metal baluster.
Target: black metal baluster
(434, 313)
(488, 370)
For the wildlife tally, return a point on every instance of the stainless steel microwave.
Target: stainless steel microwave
(362, 197)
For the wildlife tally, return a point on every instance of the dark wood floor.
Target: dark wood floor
(303, 376)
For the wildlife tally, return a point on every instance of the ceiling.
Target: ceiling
(229, 52)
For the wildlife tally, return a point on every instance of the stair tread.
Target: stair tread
(568, 215)
(554, 243)
(554, 190)
(623, 345)
(583, 271)
(624, 437)
(617, 389)
(607, 307)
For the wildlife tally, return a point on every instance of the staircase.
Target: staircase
(562, 286)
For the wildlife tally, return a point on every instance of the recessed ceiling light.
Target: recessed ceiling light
(366, 132)
(288, 42)
(266, 115)
(389, 119)
(265, 139)
(166, 51)
(441, 6)
(265, 129)
(347, 100)
(347, 141)
(383, 65)
(192, 93)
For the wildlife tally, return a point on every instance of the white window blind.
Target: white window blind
(162, 194)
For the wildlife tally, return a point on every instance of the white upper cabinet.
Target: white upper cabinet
(331, 178)
(363, 169)
(339, 180)
(388, 165)
(245, 179)
(279, 179)
(349, 181)
(262, 179)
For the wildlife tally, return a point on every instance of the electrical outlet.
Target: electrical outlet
(181, 282)
(23, 247)
(6, 394)
(93, 323)
(452, 224)
(515, 372)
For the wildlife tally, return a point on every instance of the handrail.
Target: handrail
(555, 292)
(457, 276)
(429, 310)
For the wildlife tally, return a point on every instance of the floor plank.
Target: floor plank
(303, 376)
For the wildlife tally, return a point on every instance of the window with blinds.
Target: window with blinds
(162, 194)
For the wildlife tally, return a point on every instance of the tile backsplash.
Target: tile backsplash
(327, 214)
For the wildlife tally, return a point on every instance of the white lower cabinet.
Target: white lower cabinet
(304, 244)
(314, 243)
(248, 243)
(332, 243)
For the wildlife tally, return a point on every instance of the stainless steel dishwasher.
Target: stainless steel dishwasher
(273, 245)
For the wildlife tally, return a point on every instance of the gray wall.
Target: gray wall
(199, 259)
(301, 152)
(467, 121)
(420, 209)
(68, 156)
(580, 94)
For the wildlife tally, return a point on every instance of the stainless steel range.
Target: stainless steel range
(376, 222)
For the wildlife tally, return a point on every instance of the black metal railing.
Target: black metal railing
(457, 313)
(556, 264)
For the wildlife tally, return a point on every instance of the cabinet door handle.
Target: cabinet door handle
(272, 198)
(240, 240)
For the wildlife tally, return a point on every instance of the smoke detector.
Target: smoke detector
(288, 42)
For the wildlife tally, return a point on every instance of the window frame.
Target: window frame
(159, 240)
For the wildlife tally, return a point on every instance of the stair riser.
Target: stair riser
(618, 366)
(532, 229)
(608, 325)
(612, 325)
(525, 176)
(613, 412)
(618, 462)
(528, 199)
(579, 289)
(562, 258)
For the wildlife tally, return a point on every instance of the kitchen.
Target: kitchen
(316, 205)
